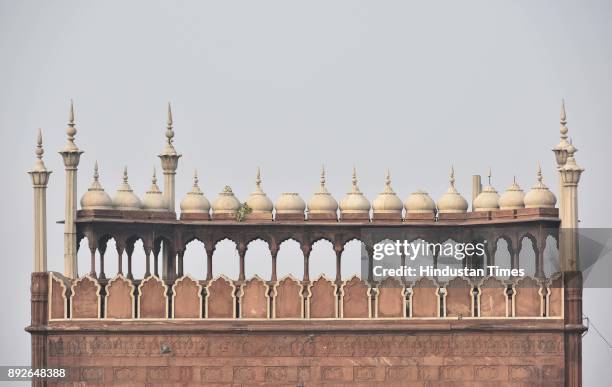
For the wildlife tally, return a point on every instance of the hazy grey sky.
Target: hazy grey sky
(412, 86)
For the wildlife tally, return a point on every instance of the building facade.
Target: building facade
(168, 328)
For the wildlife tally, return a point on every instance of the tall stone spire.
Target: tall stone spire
(40, 178)
(71, 155)
(560, 151)
(169, 161)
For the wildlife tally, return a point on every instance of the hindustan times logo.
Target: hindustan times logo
(411, 250)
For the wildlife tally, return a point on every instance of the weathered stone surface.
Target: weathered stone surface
(384, 359)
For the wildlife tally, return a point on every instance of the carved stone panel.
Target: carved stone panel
(57, 297)
(425, 300)
(322, 302)
(186, 298)
(120, 298)
(220, 298)
(254, 301)
(391, 301)
(528, 300)
(493, 299)
(459, 298)
(355, 299)
(288, 298)
(152, 299)
(85, 301)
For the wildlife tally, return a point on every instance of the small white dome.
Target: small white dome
(354, 202)
(194, 201)
(513, 198)
(259, 201)
(226, 202)
(452, 201)
(419, 202)
(125, 198)
(323, 202)
(387, 201)
(488, 199)
(540, 196)
(96, 198)
(290, 203)
(153, 199)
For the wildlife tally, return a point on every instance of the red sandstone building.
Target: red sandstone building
(171, 329)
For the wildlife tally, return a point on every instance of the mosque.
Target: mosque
(168, 328)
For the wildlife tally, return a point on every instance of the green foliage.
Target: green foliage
(243, 211)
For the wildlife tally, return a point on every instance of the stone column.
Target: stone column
(40, 178)
(169, 162)
(71, 155)
(569, 253)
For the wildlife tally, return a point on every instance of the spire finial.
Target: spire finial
(71, 130)
(258, 178)
(539, 173)
(195, 178)
(169, 130)
(125, 175)
(322, 175)
(514, 179)
(388, 178)
(452, 176)
(39, 148)
(354, 176)
(154, 178)
(489, 176)
(71, 114)
(563, 121)
(96, 175)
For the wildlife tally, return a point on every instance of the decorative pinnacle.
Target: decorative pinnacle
(39, 148)
(258, 178)
(125, 175)
(96, 175)
(489, 176)
(452, 176)
(388, 178)
(71, 131)
(154, 179)
(322, 176)
(195, 178)
(539, 173)
(169, 130)
(354, 176)
(563, 121)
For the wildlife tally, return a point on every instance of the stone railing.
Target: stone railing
(221, 298)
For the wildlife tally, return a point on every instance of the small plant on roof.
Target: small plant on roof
(243, 211)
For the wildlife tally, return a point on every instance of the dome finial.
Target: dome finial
(388, 178)
(489, 175)
(195, 178)
(258, 178)
(539, 173)
(125, 175)
(452, 176)
(322, 176)
(154, 179)
(355, 187)
(96, 175)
